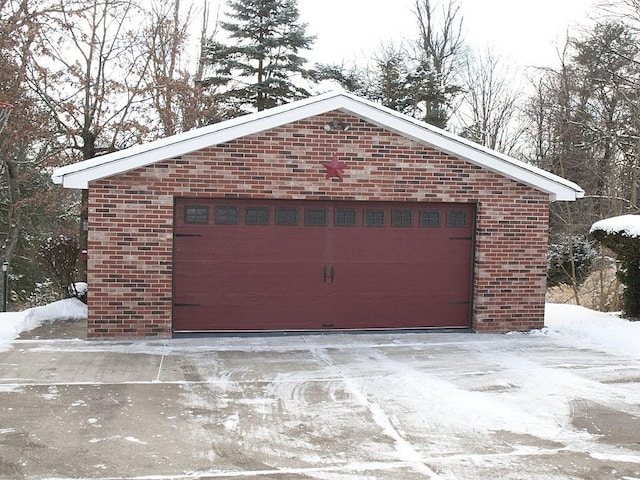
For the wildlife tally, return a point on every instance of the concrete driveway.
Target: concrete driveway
(384, 406)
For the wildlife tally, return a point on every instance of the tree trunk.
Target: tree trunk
(15, 217)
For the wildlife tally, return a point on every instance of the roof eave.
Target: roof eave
(79, 175)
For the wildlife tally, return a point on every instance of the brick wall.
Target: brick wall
(131, 216)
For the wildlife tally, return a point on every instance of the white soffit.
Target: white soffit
(79, 175)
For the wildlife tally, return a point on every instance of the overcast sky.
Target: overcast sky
(526, 31)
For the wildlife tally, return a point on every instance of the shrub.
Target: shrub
(570, 260)
(59, 257)
(619, 235)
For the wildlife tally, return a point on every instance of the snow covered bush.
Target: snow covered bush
(43, 293)
(570, 260)
(622, 236)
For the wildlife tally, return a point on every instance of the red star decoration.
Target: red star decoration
(334, 168)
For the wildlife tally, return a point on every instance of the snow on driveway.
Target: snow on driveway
(559, 403)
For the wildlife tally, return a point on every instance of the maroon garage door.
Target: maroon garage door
(283, 265)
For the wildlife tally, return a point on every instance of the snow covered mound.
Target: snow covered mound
(627, 225)
(69, 309)
(590, 329)
(571, 324)
(14, 323)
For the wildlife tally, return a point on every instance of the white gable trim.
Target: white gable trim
(79, 175)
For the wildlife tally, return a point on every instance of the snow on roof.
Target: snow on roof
(627, 225)
(80, 174)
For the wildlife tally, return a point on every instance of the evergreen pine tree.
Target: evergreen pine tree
(253, 70)
(390, 81)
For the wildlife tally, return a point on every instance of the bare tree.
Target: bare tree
(488, 113)
(90, 74)
(627, 12)
(176, 95)
(584, 127)
(28, 201)
(421, 77)
(440, 39)
(441, 53)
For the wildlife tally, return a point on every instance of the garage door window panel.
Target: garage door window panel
(286, 216)
(429, 218)
(401, 218)
(374, 218)
(456, 219)
(315, 217)
(256, 216)
(196, 215)
(227, 215)
(345, 217)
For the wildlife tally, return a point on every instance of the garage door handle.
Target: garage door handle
(330, 273)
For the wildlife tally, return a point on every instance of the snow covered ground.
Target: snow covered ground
(586, 328)
(572, 324)
(14, 323)
(558, 403)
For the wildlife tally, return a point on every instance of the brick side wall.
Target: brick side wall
(131, 216)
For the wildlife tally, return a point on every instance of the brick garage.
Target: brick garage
(138, 196)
